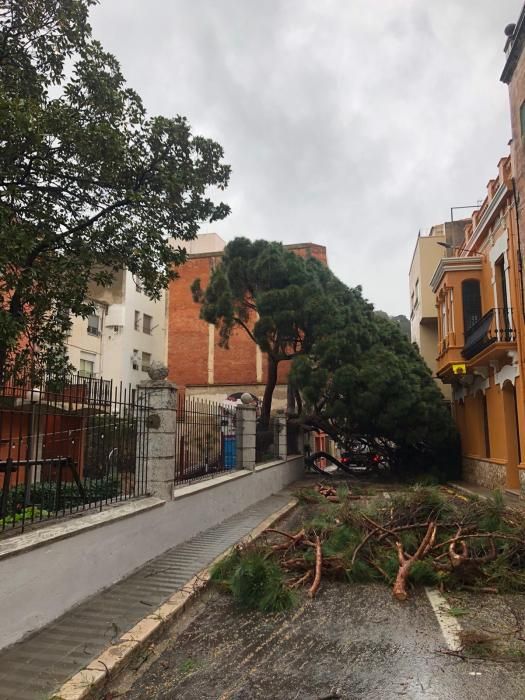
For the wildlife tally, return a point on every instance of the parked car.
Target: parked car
(362, 456)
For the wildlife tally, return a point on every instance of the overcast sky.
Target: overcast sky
(349, 123)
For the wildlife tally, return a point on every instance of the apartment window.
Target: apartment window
(93, 326)
(137, 320)
(146, 361)
(444, 324)
(522, 120)
(87, 368)
(146, 324)
(138, 285)
(471, 294)
(135, 359)
(417, 292)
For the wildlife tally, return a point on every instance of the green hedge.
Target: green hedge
(45, 495)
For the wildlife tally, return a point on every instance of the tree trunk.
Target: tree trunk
(290, 399)
(271, 381)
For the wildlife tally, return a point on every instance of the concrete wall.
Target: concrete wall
(423, 312)
(39, 584)
(118, 348)
(426, 256)
(83, 346)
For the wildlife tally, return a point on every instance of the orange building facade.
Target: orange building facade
(481, 330)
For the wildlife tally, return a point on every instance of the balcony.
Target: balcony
(494, 330)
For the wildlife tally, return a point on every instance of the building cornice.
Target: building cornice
(495, 203)
(445, 265)
(516, 48)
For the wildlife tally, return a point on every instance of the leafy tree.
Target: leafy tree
(279, 299)
(89, 183)
(401, 321)
(367, 381)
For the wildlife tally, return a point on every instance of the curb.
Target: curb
(512, 501)
(115, 658)
(464, 490)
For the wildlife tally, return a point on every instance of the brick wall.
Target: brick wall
(190, 361)
(237, 364)
(187, 334)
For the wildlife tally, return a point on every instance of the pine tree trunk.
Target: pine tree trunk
(290, 399)
(271, 381)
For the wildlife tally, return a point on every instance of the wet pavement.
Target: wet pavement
(351, 642)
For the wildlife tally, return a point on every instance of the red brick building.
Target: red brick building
(196, 362)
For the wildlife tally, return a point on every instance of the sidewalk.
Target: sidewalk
(511, 500)
(34, 668)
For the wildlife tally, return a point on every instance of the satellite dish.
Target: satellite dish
(509, 30)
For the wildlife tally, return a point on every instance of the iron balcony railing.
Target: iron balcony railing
(496, 326)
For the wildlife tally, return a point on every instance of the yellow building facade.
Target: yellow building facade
(481, 330)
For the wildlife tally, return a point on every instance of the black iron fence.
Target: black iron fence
(496, 326)
(267, 442)
(293, 437)
(205, 439)
(70, 444)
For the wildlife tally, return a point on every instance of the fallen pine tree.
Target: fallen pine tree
(423, 536)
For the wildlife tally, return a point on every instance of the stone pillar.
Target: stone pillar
(160, 400)
(245, 429)
(280, 435)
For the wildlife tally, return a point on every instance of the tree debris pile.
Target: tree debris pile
(423, 536)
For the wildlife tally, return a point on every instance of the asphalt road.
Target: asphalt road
(351, 642)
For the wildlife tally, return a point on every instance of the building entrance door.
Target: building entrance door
(511, 435)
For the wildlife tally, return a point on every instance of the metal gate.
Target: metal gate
(205, 442)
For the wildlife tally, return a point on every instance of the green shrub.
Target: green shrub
(45, 494)
(492, 511)
(422, 573)
(342, 540)
(223, 570)
(257, 583)
(361, 572)
(27, 515)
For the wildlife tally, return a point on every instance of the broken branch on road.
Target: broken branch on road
(418, 536)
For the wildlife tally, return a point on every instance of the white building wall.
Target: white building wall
(113, 350)
(83, 345)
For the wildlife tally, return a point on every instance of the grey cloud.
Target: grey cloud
(352, 123)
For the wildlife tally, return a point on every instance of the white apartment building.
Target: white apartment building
(123, 337)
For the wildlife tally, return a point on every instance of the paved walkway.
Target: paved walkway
(37, 666)
(511, 499)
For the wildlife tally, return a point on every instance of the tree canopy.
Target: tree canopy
(355, 370)
(279, 299)
(89, 182)
(381, 391)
